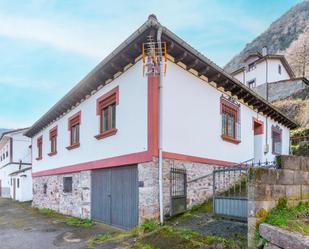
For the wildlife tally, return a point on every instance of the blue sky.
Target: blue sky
(47, 46)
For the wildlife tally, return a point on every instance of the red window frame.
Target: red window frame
(107, 101)
(72, 122)
(39, 142)
(257, 126)
(53, 141)
(276, 136)
(230, 108)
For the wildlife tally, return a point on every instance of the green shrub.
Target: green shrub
(279, 161)
(282, 203)
(77, 222)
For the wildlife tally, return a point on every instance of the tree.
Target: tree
(298, 55)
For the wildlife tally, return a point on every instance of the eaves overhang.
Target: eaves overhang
(127, 53)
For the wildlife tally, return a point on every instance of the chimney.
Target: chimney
(264, 51)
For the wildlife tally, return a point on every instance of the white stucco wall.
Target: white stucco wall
(24, 191)
(5, 147)
(259, 73)
(20, 151)
(192, 121)
(5, 178)
(131, 122)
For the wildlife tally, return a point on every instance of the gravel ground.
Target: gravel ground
(22, 228)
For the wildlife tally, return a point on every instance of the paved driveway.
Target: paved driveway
(23, 228)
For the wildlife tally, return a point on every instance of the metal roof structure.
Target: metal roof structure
(127, 53)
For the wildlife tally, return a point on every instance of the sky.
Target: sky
(48, 46)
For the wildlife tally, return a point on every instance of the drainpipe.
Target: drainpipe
(267, 97)
(159, 34)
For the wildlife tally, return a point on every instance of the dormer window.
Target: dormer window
(279, 69)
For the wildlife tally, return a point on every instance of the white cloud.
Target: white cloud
(75, 39)
(96, 37)
(26, 83)
(14, 123)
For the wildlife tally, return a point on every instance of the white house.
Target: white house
(15, 165)
(262, 71)
(97, 152)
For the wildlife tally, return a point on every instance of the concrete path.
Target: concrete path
(23, 228)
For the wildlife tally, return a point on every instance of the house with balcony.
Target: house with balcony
(15, 165)
(105, 151)
(270, 75)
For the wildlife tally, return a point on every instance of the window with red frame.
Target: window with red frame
(230, 121)
(106, 109)
(53, 141)
(276, 134)
(39, 146)
(74, 128)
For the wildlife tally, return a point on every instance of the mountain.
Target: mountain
(289, 35)
(3, 130)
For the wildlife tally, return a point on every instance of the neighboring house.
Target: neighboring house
(272, 69)
(95, 152)
(15, 165)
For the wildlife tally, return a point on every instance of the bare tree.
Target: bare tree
(298, 55)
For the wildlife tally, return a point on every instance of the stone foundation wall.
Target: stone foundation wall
(197, 192)
(291, 181)
(279, 90)
(75, 204)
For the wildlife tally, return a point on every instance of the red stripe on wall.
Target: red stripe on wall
(195, 159)
(98, 164)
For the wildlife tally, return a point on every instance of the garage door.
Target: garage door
(114, 196)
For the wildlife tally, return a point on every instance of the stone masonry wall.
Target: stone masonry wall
(279, 90)
(197, 192)
(291, 181)
(75, 204)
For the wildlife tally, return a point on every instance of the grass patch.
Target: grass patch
(99, 238)
(149, 225)
(169, 237)
(46, 211)
(77, 222)
(293, 219)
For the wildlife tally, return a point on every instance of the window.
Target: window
(279, 69)
(11, 182)
(251, 66)
(74, 129)
(17, 182)
(276, 135)
(39, 146)
(45, 189)
(106, 110)
(67, 184)
(53, 141)
(251, 83)
(230, 121)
